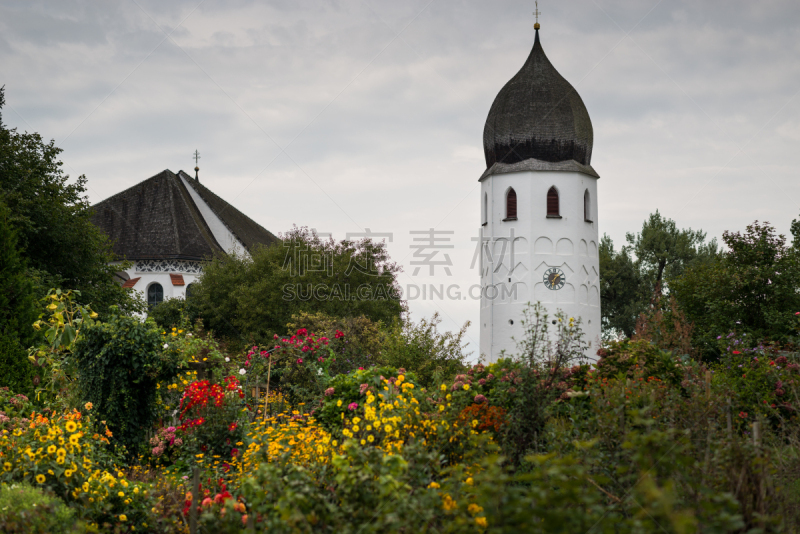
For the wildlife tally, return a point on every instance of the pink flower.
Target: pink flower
(362, 388)
(352, 406)
(299, 360)
(360, 368)
(234, 452)
(329, 392)
(482, 381)
(480, 399)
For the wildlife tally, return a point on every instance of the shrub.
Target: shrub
(120, 364)
(625, 358)
(27, 510)
(176, 312)
(422, 348)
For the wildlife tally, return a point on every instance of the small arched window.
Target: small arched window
(189, 290)
(587, 207)
(485, 209)
(552, 203)
(155, 295)
(511, 205)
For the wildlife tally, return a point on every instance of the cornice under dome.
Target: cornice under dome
(538, 118)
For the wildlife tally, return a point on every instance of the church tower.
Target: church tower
(538, 207)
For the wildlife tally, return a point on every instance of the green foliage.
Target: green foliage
(62, 321)
(622, 289)
(17, 311)
(252, 299)
(362, 342)
(119, 365)
(625, 358)
(16, 370)
(28, 510)
(640, 272)
(346, 389)
(175, 312)
(53, 216)
(423, 348)
(753, 290)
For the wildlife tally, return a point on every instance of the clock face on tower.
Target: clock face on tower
(554, 278)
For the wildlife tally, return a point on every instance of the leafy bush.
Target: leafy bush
(625, 358)
(175, 312)
(250, 299)
(421, 347)
(120, 364)
(27, 510)
(15, 368)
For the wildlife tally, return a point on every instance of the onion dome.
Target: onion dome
(538, 122)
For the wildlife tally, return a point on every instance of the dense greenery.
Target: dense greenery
(753, 289)
(119, 365)
(18, 311)
(253, 298)
(639, 273)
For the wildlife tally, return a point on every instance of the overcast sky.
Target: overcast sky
(347, 115)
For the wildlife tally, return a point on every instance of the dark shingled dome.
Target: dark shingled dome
(537, 115)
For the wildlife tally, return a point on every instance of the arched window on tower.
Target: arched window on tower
(485, 209)
(587, 207)
(511, 205)
(155, 295)
(552, 203)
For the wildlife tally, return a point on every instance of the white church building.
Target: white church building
(168, 227)
(538, 207)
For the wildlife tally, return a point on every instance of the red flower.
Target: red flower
(234, 452)
(299, 360)
(339, 334)
(736, 352)
(743, 415)
(232, 427)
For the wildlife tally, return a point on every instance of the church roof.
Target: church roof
(538, 116)
(158, 219)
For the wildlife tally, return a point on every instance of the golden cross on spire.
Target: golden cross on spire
(537, 13)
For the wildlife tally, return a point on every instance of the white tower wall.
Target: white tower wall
(512, 274)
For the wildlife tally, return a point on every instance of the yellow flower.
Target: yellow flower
(448, 503)
(68, 473)
(7, 466)
(370, 438)
(40, 479)
(388, 428)
(443, 387)
(51, 449)
(474, 508)
(123, 517)
(363, 442)
(441, 407)
(401, 378)
(469, 481)
(120, 494)
(61, 452)
(434, 485)
(466, 387)
(85, 487)
(355, 428)
(481, 521)
(71, 426)
(339, 402)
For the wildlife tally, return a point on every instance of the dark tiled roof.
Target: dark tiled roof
(157, 219)
(538, 115)
(246, 230)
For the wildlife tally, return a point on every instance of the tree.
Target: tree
(753, 289)
(622, 290)
(663, 251)
(252, 298)
(52, 216)
(635, 278)
(17, 311)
